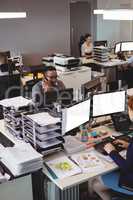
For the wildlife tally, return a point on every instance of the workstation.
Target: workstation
(86, 83)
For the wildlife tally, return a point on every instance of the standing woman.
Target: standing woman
(87, 46)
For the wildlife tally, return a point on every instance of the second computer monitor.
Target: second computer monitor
(109, 103)
(75, 116)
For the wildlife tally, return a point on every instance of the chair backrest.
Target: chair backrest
(81, 41)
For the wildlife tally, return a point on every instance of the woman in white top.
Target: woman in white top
(87, 46)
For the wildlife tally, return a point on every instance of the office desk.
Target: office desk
(18, 188)
(110, 68)
(68, 188)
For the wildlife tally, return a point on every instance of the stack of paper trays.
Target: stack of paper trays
(42, 130)
(15, 102)
(101, 54)
(12, 114)
(21, 159)
(62, 167)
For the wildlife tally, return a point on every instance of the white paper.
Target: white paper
(88, 161)
(15, 102)
(44, 119)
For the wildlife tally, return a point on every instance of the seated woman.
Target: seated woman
(124, 176)
(87, 46)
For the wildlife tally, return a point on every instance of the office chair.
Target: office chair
(111, 180)
(81, 41)
(27, 90)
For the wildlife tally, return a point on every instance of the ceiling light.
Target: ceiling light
(10, 15)
(98, 11)
(118, 14)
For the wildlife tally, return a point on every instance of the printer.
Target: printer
(66, 61)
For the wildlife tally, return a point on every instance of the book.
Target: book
(62, 167)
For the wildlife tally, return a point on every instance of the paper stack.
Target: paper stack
(15, 102)
(21, 159)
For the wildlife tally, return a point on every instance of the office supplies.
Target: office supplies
(12, 109)
(21, 159)
(75, 115)
(43, 131)
(88, 161)
(109, 103)
(101, 54)
(15, 102)
(63, 167)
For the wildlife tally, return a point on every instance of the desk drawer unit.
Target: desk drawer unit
(54, 193)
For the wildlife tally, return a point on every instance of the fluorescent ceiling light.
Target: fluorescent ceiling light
(10, 15)
(121, 14)
(98, 11)
(115, 14)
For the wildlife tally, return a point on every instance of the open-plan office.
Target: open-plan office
(60, 145)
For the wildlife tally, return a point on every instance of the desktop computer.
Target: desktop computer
(109, 103)
(75, 115)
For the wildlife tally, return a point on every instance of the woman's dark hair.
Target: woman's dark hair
(87, 35)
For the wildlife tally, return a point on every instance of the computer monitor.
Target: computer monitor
(117, 47)
(75, 116)
(63, 97)
(109, 103)
(101, 43)
(127, 46)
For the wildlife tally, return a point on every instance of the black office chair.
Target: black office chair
(81, 41)
(27, 90)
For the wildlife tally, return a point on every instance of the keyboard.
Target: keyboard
(100, 146)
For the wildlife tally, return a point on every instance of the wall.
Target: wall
(46, 29)
(113, 30)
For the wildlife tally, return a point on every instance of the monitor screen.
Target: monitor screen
(75, 116)
(109, 103)
(64, 97)
(127, 46)
(117, 47)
